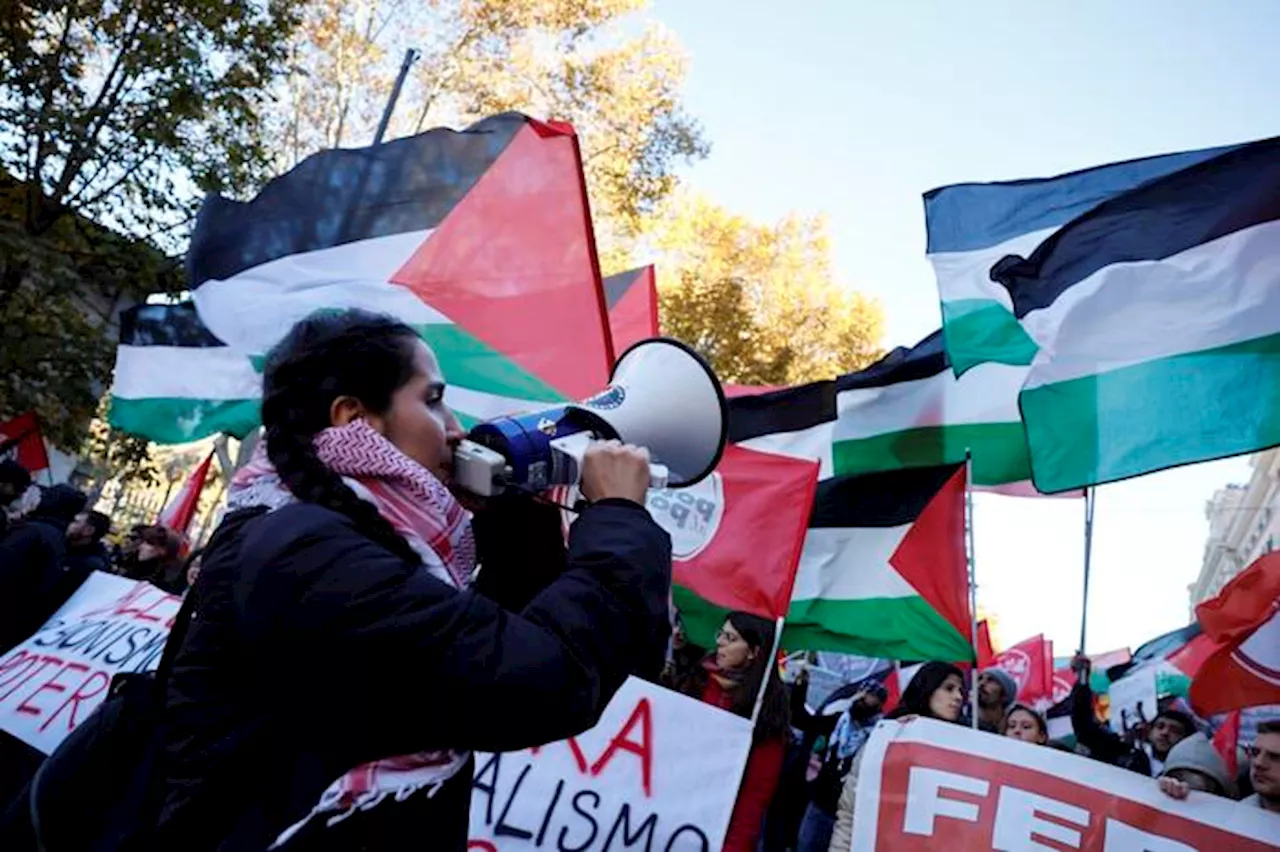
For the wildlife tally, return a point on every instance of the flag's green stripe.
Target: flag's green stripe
(177, 421)
(999, 451)
(890, 628)
(978, 331)
(1189, 408)
(467, 362)
(701, 617)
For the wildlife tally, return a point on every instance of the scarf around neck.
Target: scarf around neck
(436, 526)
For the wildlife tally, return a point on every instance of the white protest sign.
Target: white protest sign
(52, 681)
(927, 785)
(1127, 694)
(660, 772)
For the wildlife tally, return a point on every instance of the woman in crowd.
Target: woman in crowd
(341, 670)
(936, 692)
(1024, 723)
(731, 678)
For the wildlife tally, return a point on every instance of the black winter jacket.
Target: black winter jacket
(1103, 744)
(314, 650)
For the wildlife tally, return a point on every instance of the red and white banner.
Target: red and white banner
(1244, 621)
(660, 771)
(927, 785)
(52, 681)
(1030, 664)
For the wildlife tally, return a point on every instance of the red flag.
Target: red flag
(21, 439)
(632, 297)
(1227, 740)
(182, 508)
(1245, 619)
(1030, 664)
(736, 537)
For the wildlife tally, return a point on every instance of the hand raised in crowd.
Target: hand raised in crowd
(612, 469)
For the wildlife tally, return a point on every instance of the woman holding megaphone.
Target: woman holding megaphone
(339, 669)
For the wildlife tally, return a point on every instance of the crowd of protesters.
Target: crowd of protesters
(345, 562)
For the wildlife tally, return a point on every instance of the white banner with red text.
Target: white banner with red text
(53, 680)
(927, 785)
(660, 772)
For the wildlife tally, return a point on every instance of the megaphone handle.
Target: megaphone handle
(658, 476)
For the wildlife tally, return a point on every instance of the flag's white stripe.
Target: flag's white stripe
(253, 309)
(1222, 292)
(813, 443)
(966, 274)
(987, 393)
(218, 373)
(182, 372)
(850, 563)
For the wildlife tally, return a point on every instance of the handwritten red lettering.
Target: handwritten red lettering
(9, 669)
(44, 663)
(642, 749)
(482, 845)
(50, 685)
(99, 681)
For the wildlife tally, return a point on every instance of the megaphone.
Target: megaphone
(662, 396)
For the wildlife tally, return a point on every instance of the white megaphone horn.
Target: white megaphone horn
(662, 396)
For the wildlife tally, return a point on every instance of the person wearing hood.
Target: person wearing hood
(344, 661)
(32, 556)
(935, 692)
(14, 481)
(851, 732)
(1194, 764)
(997, 691)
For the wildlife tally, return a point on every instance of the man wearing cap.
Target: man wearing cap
(997, 690)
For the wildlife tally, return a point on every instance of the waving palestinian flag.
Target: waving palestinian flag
(480, 239)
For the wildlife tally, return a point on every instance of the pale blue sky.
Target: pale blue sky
(855, 109)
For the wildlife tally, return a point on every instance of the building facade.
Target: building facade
(1244, 523)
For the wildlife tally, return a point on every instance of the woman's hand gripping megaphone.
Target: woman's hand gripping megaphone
(612, 469)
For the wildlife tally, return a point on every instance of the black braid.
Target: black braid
(331, 354)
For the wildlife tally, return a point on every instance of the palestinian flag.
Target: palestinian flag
(972, 226)
(182, 508)
(1244, 619)
(883, 571)
(632, 299)
(907, 410)
(1175, 657)
(480, 240)
(1157, 320)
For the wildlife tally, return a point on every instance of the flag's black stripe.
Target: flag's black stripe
(888, 499)
(1228, 193)
(616, 286)
(805, 406)
(927, 358)
(342, 196)
(789, 410)
(165, 325)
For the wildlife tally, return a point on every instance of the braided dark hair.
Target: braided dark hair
(327, 355)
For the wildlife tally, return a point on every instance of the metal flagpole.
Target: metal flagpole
(768, 673)
(410, 57)
(973, 582)
(1089, 495)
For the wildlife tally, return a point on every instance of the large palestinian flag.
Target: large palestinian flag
(632, 297)
(481, 240)
(907, 410)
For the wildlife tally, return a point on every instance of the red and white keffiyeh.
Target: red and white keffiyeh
(435, 525)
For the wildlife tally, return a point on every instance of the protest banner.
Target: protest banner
(927, 785)
(53, 680)
(1133, 698)
(659, 772)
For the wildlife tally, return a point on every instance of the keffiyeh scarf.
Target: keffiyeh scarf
(436, 526)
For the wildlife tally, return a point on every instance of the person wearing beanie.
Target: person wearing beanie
(997, 690)
(1194, 764)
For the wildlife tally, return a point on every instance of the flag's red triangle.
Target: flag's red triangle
(178, 514)
(931, 557)
(514, 264)
(1226, 741)
(986, 653)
